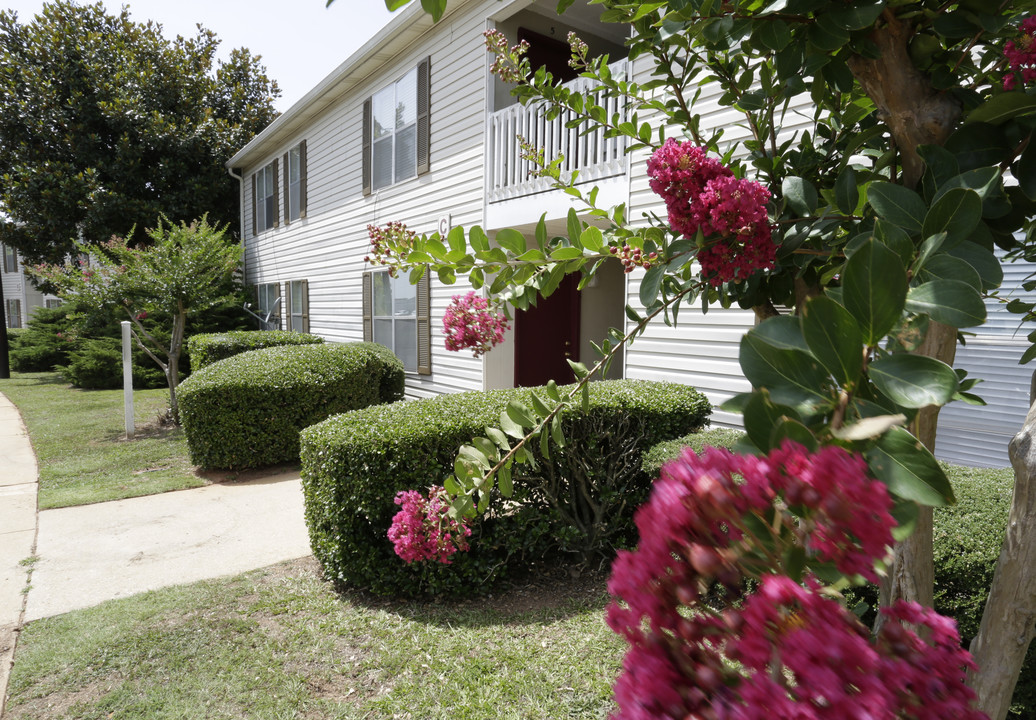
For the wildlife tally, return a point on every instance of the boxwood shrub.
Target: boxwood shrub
(207, 348)
(354, 464)
(247, 411)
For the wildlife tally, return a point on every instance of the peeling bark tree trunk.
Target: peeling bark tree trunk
(1009, 619)
(916, 114)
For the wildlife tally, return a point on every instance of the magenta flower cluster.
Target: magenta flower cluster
(423, 529)
(471, 323)
(789, 649)
(701, 193)
(1021, 56)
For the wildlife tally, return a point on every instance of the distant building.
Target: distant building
(21, 298)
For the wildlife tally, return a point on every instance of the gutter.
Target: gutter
(241, 219)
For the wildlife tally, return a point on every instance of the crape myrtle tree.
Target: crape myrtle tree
(183, 270)
(105, 125)
(877, 221)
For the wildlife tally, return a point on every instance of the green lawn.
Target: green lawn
(279, 643)
(79, 438)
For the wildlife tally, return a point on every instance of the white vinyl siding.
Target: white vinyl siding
(329, 247)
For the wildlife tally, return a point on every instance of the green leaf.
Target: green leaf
(834, 339)
(847, 194)
(499, 438)
(510, 427)
(538, 405)
(983, 261)
(504, 481)
(956, 213)
(874, 288)
(899, 205)
(950, 302)
(760, 417)
(435, 8)
(946, 267)
(792, 376)
(914, 381)
(896, 239)
(858, 16)
(455, 239)
(773, 34)
(474, 456)
(478, 240)
(782, 331)
(800, 194)
(1001, 107)
(487, 448)
(592, 239)
(795, 431)
(566, 253)
(575, 226)
(556, 433)
(511, 240)
(901, 462)
(521, 415)
(651, 284)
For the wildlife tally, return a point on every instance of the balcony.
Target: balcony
(595, 157)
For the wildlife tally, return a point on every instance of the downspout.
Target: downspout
(241, 220)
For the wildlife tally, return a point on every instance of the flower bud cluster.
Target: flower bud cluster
(390, 245)
(423, 529)
(1021, 56)
(579, 51)
(507, 64)
(633, 257)
(789, 649)
(470, 322)
(701, 193)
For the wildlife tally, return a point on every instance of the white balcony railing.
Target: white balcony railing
(593, 155)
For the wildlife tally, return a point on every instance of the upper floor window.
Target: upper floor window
(264, 191)
(10, 259)
(295, 183)
(396, 130)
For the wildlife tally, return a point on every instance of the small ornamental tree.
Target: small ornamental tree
(875, 216)
(184, 270)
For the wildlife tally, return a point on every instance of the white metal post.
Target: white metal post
(127, 375)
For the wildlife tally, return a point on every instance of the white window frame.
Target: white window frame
(14, 313)
(396, 316)
(266, 203)
(391, 137)
(267, 295)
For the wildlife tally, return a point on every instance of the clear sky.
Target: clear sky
(300, 41)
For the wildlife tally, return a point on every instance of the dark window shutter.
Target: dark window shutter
(423, 112)
(424, 325)
(287, 189)
(368, 308)
(288, 309)
(276, 198)
(305, 306)
(255, 203)
(366, 151)
(302, 176)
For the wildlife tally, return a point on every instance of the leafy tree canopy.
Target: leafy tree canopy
(105, 125)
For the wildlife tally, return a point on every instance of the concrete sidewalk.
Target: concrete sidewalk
(93, 553)
(17, 530)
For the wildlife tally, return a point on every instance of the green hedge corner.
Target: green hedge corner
(247, 410)
(208, 348)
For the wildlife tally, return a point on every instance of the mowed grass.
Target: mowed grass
(279, 643)
(79, 439)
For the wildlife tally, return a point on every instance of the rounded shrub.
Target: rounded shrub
(247, 411)
(208, 348)
(353, 465)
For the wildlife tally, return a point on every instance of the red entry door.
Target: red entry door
(546, 335)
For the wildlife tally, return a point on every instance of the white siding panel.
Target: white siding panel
(328, 246)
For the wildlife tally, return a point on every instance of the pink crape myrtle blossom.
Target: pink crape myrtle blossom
(1021, 56)
(389, 243)
(700, 193)
(423, 529)
(789, 649)
(470, 323)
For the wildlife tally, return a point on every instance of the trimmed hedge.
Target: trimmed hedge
(209, 348)
(354, 464)
(967, 541)
(247, 411)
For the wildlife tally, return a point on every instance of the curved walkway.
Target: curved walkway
(86, 555)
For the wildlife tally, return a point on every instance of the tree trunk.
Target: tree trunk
(173, 368)
(916, 114)
(1009, 619)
